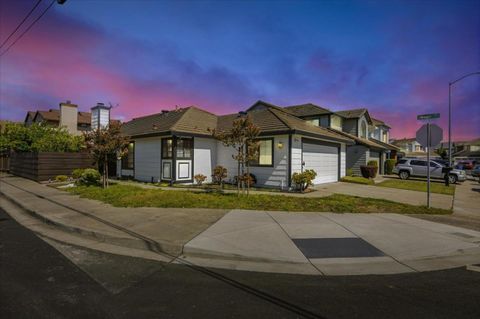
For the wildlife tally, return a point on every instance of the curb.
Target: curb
(137, 242)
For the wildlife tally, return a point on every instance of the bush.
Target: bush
(77, 173)
(39, 137)
(219, 174)
(89, 177)
(303, 180)
(251, 180)
(389, 165)
(200, 178)
(61, 178)
(349, 171)
(372, 163)
(369, 171)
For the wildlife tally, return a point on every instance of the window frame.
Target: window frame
(125, 158)
(165, 144)
(190, 141)
(257, 162)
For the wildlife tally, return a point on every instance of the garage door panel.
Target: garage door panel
(323, 159)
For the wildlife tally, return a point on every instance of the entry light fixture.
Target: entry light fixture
(280, 145)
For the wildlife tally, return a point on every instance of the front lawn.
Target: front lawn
(132, 196)
(357, 180)
(420, 186)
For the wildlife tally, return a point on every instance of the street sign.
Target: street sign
(428, 116)
(436, 135)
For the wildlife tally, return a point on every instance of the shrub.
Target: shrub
(77, 173)
(389, 165)
(89, 177)
(200, 178)
(61, 178)
(249, 180)
(368, 171)
(303, 180)
(349, 171)
(219, 174)
(372, 163)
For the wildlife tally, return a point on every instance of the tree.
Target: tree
(442, 152)
(242, 138)
(105, 143)
(39, 137)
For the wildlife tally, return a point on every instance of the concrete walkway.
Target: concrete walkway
(304, 243)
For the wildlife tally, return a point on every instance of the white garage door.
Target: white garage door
(323, 159)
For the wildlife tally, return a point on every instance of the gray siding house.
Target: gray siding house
(176, 145)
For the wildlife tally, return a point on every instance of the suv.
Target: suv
(418, 167)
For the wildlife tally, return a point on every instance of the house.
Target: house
(176, 145)
(370, 135)
(409, 147)
(466, 150)
(69, 117)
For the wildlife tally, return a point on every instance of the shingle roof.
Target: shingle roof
(184, 120)
(275, 119)
(54, 116)
(192, 120)
(378, 122)
(360, 140)
(307, 109)
(352, 114)
(387, 145)
(403, 141)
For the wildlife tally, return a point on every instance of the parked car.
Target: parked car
(476, 171)
(465, 164)
(418, 167)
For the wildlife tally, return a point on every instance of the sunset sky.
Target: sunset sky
(394, 57)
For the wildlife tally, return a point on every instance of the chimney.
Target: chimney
(69, 116)
(100, 116)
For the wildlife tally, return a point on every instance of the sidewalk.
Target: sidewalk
(303, 243)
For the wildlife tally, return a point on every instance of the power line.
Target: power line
(18, 26)
(29, 27)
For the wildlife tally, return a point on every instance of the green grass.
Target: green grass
(420, 186)
(357, 180)
(132, 196)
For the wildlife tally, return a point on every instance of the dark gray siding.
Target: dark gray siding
(350, 126)
(356, 156)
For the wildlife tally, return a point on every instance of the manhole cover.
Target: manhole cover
(336, 248)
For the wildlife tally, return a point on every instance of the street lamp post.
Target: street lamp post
(450, 113)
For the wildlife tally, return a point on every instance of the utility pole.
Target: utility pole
(450, 113)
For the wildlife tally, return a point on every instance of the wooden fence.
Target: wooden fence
(46, 165)
(4, 161)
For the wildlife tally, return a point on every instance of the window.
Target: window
(167, 148)
(184, 148)
(418, 163)
(403, 161)
(315, 122)
(336, 122)
(264, 154)
(363, 130)
(128, 160)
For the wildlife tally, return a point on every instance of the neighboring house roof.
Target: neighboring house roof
(466, 153)
(387, 145)
(50, 115)
(30, 114)
(307, 109)
(361, 141)
(84, 118)
(403, 141)
(377, 122)
(54, 116)
(192, 120)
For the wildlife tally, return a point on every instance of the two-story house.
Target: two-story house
(370, 135)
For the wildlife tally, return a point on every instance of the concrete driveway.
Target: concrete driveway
(393, 194)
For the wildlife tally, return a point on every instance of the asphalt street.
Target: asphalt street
(39, 280)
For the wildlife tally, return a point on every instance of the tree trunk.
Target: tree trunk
(238, 174)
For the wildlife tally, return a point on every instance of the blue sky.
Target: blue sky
(393, 57)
